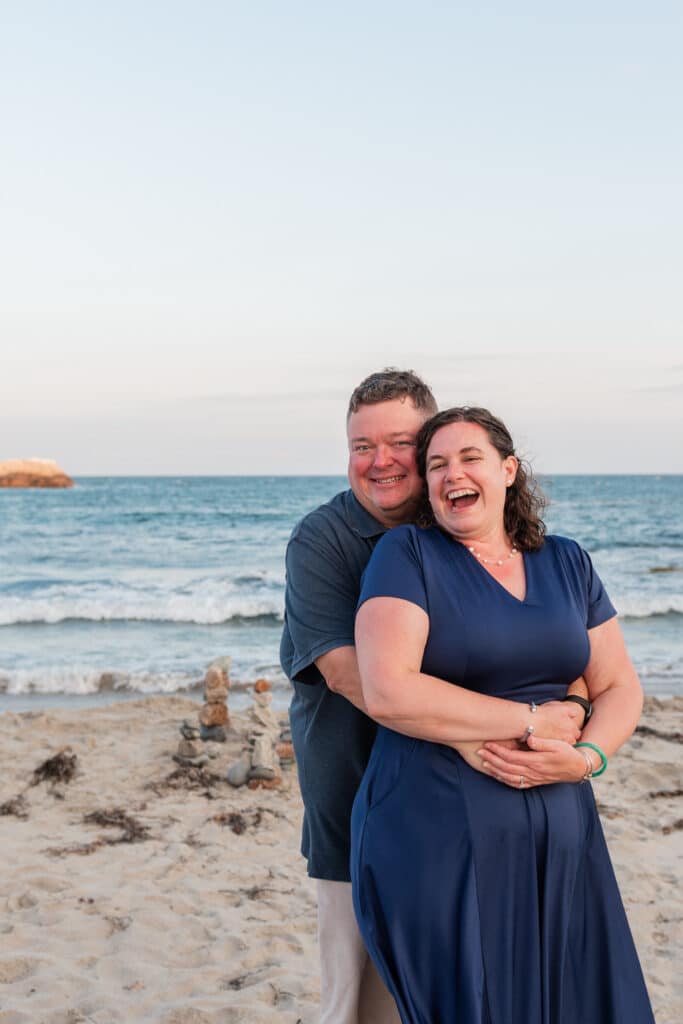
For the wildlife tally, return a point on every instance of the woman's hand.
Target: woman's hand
(544, 761)
(558, 720)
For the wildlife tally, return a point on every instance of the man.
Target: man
(332, 735)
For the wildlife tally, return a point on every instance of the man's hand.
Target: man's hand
(471, 750)
(558, 720)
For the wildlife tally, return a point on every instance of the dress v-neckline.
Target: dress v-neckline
(498, 584)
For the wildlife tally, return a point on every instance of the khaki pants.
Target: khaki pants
(351, 990)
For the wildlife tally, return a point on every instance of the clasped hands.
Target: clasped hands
(542, 759)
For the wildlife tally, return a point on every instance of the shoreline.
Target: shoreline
(204, 914)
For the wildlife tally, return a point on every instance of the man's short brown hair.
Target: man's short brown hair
(392, 383)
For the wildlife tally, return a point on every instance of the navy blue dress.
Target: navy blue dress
(479, 903)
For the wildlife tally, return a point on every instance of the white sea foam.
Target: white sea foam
(210, 604)
(644, 606)
(84, 682)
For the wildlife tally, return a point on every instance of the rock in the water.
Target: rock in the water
(213, 733)
(261, 685)
(214, 714)
(238, 772)
(33, 473)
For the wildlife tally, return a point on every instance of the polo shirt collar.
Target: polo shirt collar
(362, 522)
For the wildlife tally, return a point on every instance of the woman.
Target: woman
(484, 903)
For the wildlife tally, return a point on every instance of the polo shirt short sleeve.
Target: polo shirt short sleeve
(326, 557)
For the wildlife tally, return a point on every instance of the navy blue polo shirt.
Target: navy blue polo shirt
(326, 556)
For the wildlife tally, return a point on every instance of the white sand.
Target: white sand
(199, 924)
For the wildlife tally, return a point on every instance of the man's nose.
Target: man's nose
(384, 455)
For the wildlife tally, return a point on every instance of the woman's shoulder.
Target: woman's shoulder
(408, 539)
(568, 552)
(567, 546)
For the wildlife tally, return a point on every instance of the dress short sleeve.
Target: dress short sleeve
(600, 608)
(396, 569)
(591, 595)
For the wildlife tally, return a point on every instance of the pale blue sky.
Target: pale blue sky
(217, 217)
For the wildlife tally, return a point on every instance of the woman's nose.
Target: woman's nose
(453, 472)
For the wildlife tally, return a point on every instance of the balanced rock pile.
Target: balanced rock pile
(269, 745)
(213, 718)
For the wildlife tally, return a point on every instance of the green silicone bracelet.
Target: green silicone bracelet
(601, 754)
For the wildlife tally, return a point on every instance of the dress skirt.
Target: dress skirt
(482, 904)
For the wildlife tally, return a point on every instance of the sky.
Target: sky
(218, 217)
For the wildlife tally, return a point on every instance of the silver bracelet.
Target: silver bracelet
(533, 708)
(589, 766)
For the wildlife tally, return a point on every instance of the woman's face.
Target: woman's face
(467, 481)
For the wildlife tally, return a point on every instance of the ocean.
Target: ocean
(124, 586)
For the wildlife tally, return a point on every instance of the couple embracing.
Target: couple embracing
(459, 677)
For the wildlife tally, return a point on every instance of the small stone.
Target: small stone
(214, 714)
(189, 731)
(266, 719)
(285, 751)
(265, 783)
(191, 762)
(264, 760)
(261, 685)
(217, 696)
(238, 772)
(215, 677)
(213, 733)
(222, 663)
(186, 748)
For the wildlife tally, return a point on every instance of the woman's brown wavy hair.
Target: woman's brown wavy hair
(524, 500)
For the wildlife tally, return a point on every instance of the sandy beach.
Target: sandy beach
(126, 896)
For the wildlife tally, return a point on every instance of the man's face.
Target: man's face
(382, 470)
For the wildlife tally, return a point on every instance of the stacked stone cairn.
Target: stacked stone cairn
(269, 746)
(213, 718)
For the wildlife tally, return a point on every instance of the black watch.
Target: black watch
(585, 704)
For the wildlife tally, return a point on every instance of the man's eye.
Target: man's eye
(361, 448)
(404, 444)
(472, 458)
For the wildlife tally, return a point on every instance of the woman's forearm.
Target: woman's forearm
(390, 642)
(429, 708)
(615, 716)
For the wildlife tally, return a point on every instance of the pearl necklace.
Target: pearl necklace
(494, 561)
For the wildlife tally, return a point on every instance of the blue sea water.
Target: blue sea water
(134, 585)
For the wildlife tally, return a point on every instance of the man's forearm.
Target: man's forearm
(339, 669)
